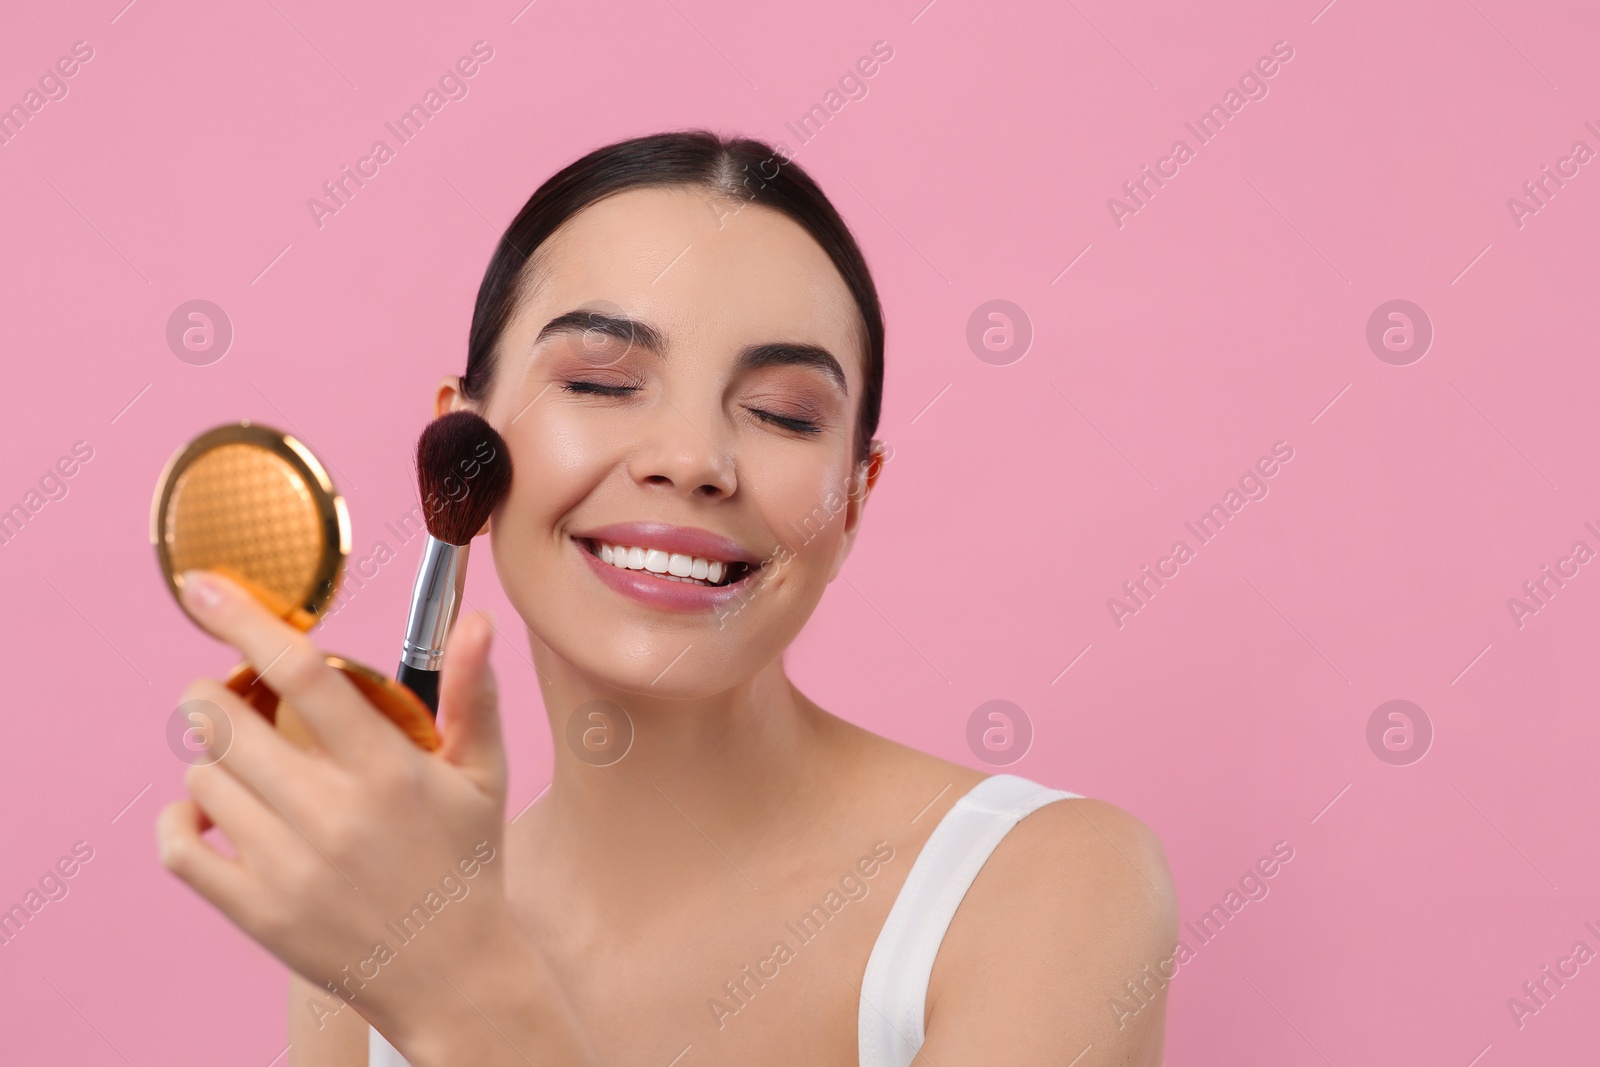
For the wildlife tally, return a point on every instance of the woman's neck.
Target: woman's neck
(728, 776)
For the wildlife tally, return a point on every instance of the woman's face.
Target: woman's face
(678, 389)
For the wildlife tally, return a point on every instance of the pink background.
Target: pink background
(1227, 314)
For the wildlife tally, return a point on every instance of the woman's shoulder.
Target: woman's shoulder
(877, 772)
(1067, 857)
(1072, 864)
(1071, 916)
(1090, 838)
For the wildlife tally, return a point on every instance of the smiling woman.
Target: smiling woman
(682, 387)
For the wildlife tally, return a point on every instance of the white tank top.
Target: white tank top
(894, 990)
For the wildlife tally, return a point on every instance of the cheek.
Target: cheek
(805, 507)
(555, 468)
(558, 461)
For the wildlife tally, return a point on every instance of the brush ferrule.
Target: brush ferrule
(435, 600)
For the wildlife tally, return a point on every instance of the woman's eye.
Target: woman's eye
(798, 425)
(787, 422)
(597, 388)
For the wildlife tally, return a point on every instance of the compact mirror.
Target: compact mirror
(255, 504)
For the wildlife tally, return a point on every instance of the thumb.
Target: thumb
(469, 703)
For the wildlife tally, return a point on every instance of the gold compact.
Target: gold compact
(256, 505)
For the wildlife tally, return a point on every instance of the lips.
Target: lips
(684, 540)
(669, 566)
(672, 568)
(665, 592)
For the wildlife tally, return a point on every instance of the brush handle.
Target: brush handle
(423, 683)
(435, 600)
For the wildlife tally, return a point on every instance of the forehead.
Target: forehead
(705, 269)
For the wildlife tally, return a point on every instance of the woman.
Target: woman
(682, 346)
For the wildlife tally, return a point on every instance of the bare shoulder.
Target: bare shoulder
(875, 773)
(1062, 947)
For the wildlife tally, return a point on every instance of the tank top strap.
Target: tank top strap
(382, 1054)
(894, 990)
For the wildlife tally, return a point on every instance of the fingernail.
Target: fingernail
(489, 615)
(200, 592)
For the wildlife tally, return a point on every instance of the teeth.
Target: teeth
(674, 566)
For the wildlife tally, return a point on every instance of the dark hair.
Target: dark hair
(733, 166)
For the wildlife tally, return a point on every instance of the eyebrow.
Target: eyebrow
(751, 357)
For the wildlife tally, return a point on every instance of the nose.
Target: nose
(676, 453)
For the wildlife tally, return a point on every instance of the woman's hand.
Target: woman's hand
(365, 862)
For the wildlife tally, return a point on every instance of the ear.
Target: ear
(448, 397)
(862, 479)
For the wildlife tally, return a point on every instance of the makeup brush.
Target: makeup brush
(463, 472)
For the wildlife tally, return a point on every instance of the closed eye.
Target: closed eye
(586, 388)
(798, 425)
(597, 389)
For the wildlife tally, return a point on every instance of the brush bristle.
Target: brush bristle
(463, 472)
